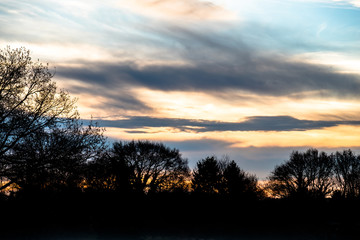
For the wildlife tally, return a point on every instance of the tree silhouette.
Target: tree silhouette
(29, 101)
(212, 176)
(108, 174)
(237, 183)
(53, 158)
(347, 173)
(308, 174)
(321, 173)
(207, 176)
(153, 166)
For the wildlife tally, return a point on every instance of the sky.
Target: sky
(252, 80)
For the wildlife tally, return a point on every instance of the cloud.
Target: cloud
(186, 10)
(119, 100)
(257, 123)
(355, 3)
(272, 77)
(212, 60)
(217, 61)
(38, 21)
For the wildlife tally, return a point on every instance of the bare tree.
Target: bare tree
(321, 173)
(347, 173)
(29, 99)
(154, 167)
(308, 174)
(31, 106)
(53, 159)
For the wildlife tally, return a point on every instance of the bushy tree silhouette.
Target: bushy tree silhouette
(207, 176)
(224, 178)
(238, 184)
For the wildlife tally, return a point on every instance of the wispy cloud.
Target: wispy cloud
(332, 3)
(355, 3)
(186, 10)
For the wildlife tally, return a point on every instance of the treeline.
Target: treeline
(79, 161)
(314, 174)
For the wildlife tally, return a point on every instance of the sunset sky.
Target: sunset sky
(253, 79)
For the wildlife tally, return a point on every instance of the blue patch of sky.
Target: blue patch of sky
(297, 27)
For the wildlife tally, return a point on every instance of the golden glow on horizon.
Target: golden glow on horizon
(339, 136)
(231, 108)
(190, 105)
(237, 106)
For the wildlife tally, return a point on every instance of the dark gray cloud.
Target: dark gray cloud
(119, 100)
(262, 76)
(258, 123)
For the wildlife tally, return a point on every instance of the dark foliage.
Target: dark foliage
(207, 176)
(106, 175)
(238, 184)
(224, 178)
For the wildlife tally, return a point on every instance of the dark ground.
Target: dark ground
(183, 217)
